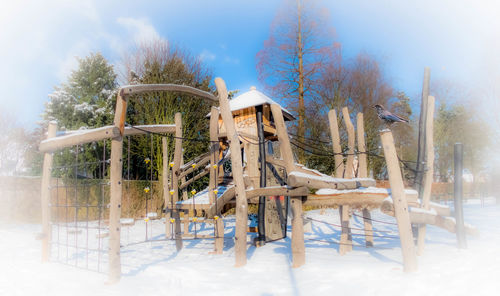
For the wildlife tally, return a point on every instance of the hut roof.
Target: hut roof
(252, 98)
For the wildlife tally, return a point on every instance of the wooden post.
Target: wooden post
(349, 170)
(116, 191)
(421, 157)
(363, 173)
(219, 240)
(400, 203)
(346, 237)
(298, 247)
(458, 194)
(45, 194)
(175, 179)
(166, 187)
(285, 148)
(362, 163)
(429, 170)
(214, 153)
(337, 150)
(240, 244)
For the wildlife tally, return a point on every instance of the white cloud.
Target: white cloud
(141, 29)
(206, 55)
(231, 60)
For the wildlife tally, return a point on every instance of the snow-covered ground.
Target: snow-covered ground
(156, 269)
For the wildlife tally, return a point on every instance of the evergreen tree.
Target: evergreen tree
(85, 101)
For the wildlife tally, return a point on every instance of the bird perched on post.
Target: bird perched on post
(387, 116)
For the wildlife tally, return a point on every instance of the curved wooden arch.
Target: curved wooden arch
(128, 90)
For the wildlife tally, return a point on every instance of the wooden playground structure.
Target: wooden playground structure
(239, 131)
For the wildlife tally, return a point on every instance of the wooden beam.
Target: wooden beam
(355, 199)
(200, 175)
(194, 160)
(85, 136)
(213, 153)
(400, 203)
(337, 150)
(142, 88)
(240, 244)
(216, 208)
(429, 170)
(277, 191)
(199, 164)
(45, 196)
(116, 181)
(285, 148)
(144, 129)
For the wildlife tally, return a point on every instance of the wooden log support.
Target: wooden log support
(285, 148)
(166, 188)
(349, 173)
(400, 203)
(45, 195)
(337, 150)
(84, 136)
(349, 170)
(219, 236)
(362, 162)
(363, 173)
(116, 191)
(240, 244)
(298, 247)
(345, 244)
(214, 153)
(175, 179)
(429, 170)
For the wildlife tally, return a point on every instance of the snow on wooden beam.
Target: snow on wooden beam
(85, 136)
(299, 179)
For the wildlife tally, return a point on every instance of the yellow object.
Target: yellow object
(172, 220)
(193, 165)
(195, 219)
(172, 192)
(193, 192)
(214, 166)
(147, 160)
(216, 218)
(216, 191)
(146, 219)
(146, 189)
(171, 164)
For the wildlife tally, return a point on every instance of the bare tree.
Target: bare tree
(300, 43)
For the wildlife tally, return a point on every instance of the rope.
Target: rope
(352, 228)
(380, 221)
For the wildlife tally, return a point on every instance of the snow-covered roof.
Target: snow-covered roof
(252, 98)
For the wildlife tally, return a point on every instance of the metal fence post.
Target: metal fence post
(458, 194)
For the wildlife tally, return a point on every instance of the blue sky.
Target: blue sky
(459, 40)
